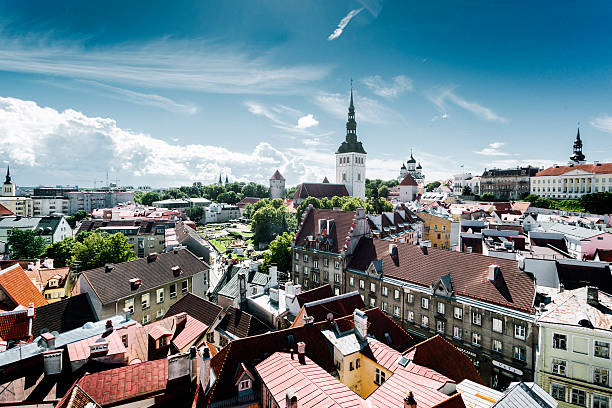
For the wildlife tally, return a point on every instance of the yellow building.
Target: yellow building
(441, 231)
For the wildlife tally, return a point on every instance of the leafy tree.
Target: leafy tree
(289, 192)
(61, 252)
(597, 203)
(229, 197)
(467, 190)
(25, 244)
(378, 206)
(98, 249)
(212, 191)
(79, 216)
(267, 223)
(487, 197)
(236, 187)
(195, 213)
(279, 252)
(150, 197)
(432, 186)
(255, 190)
(383, 191)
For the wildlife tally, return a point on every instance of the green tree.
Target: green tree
(61, 252)
(79, 216)
(195, 213)
(149, 198)
(467, 190)
(383, 191)
(98, 249)
(279, 252)
(432, 186)
(229, 197)
(487, 197)
(290, 192)
(212, 191)
(378, 206)
(173, 193)
(597, 203)
(25, 244)
(267, 223)
(255, 190)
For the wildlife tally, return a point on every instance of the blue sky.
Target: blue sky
(169, 93)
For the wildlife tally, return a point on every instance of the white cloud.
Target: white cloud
(307, 121)
(492, 150)
(165, 64)
(343, 23)
(366, 109)
(603, 123)
(398, 85)
(45, 145)
(448, 95)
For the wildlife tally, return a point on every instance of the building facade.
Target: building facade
(574, 354)
(21, 206)
(52, 229)
(460, 181)
(415, 170)
(351, 158)
(90, 200)
(441, 231)
(507, 184)
(49, 205)
(277, 186)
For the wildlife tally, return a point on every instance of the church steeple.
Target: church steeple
(350, 144)
(578, 156)
(8, 175)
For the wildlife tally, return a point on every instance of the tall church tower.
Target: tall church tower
(8, 187)
(578, 156)
(351, 158)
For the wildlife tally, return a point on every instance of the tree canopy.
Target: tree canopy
(25, 244)
(432, 186)
(147, 198)
(279, 252)
(371, 206)
(269, 218)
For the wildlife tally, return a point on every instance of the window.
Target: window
(159, 314)
(579, 397)
(559, 366)
(410, 316)
(424, 321)
(325, 276)
(440, 326)
(497, 345)
(325, 262)
(337, 264)
(476, 339)
(358, 363)
(477, 318)
(160, 295)
(315, 278)
(497, 325)
(384, 306)
(519, 331)
(297, 256)
(315, 264)
(557, 391)
(129, 304)
(361, 284)
(396, 311)
(519, 353)
(600, 401)
(145, 301)
(223, 341)
(163, 341)
(173, 291)
(601, 376)
(384, 291)
(351, 366)
(305, 271)
(352, 281)
(337, 277)
(440, 307)
(244, 385)
(305, 258)
(559, 341)
(372, 302)
(124, 340)
(372, 287)
(184, 286)
(396, 294)
(458, 313)
(409, 298)
(210, 337)
(146, 319)
(457, 332)
(297, 268)
(379, 376)
(602, 349)
(425, 303)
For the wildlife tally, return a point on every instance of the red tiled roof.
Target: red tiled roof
(515, 289)
(438, 354)
(203, 310)
(14, 325)
(277, 176)
(320, 190)
(322, 292)
(603, 168)
(158, 331)
(5, 211)
(338, 306)
(242, 324)
(15, 283)
(343, 220)
(247, 200)
(124, 383)
(408, 181)
(192, 330)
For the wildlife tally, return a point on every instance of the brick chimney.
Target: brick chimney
(360, 321)
(291, 399)
(151, 257)
(241, 291)
(301, 352)
(48, 340)
(204, 355)
(31, 315)
(409, 401)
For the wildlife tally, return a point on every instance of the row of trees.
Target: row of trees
(378, 188)
(230, 193)
(371, 206)
(594, 203)
(89, 249)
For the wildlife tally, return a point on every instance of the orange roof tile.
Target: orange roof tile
(5, 211)
(14, 325)
(603, 168)
(19, 288)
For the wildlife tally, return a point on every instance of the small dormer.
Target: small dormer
(244, 380)
(160, 336)
(376, 268)
(443, 286)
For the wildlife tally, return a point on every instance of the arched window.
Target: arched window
(343, 176)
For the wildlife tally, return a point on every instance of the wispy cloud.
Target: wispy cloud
(343, 23)
(307, 121)
(603, 123)
(367, 109)
(165, 64)
(448, 95)
(398, 85)
(492, 150)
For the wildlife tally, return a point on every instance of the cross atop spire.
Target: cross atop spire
(351, 106)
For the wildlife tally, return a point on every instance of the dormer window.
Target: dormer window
(244, 385)
(162, 342)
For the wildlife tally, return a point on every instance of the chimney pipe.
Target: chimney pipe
(204, 353)
(409, 401)
(291, 399)
(301, 352)
(592, 296)
(31, 314)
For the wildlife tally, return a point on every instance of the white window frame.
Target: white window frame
(145, 301)
(477, 318)
(458, 313)
(457, 332)
(441, 307)
(497, 325)
(520, 331)
(160, 295)
(425, 303)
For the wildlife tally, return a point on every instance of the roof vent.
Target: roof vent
(108, 268)
(177, 271)
(135, 283)
(151, 257)
(597, 163)
(99, 348)
(494, 271)
(592, 296)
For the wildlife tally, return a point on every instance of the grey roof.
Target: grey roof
(499, 233)
(526, 395)
(31, 223)
(37, 346)
(546, 235)
(473, 223)
(571, 230)
(115, 284)
(230, 290)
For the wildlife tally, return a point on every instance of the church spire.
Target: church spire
(351, 106)
(578, 156)
(350, 143)
(8, 175)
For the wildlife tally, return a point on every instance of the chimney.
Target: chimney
(108, 268)
(204, 367)
(176, 271)
(99, 348)
(561, 287)
(291, 399)
(31, 314)
(151, 257)
(301, 352)
(274, 295)
(409, 401)
(308, 320)
(109, 326)
(273, 275)
(193, 362)
(135, 283)
(392, 249)
(592, 296)
(494, 271)
(241, 290)
(52, 362)
(48, 340)
(126, 314)
(179, 366)
(468, 250)
(360, 321)
(180, 318)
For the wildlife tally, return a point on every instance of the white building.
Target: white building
(43, 206)
(220, 212)
(415, 170)
(351, 158)
(277, 186)
(460, 181)
(408, 189)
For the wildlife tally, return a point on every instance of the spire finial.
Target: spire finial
(8, 174)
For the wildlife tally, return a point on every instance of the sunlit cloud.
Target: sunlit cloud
(343, 23)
